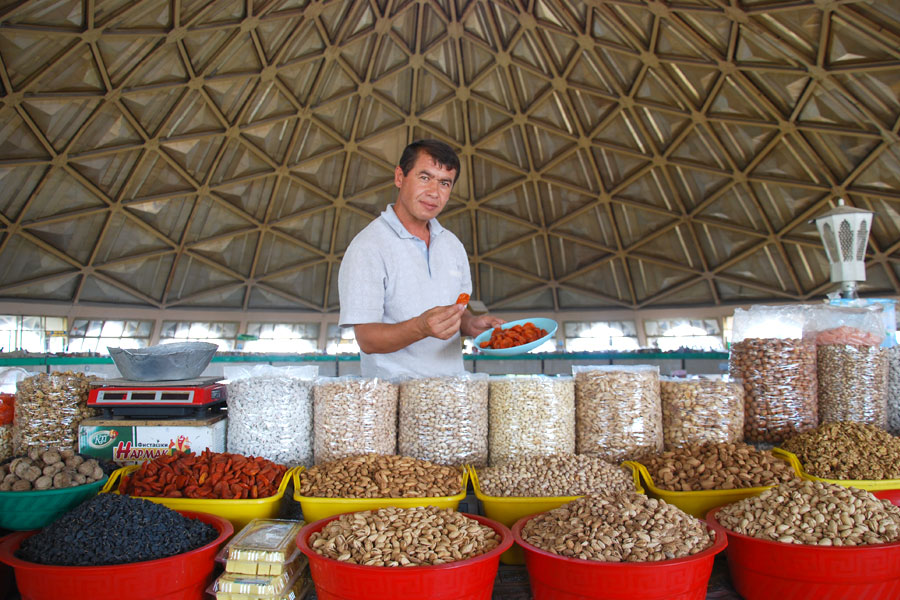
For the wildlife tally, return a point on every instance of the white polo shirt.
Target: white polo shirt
(388, 275)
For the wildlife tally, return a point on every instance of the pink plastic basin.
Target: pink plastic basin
(561, 578)
(470, 579)
(180, 577)
(763, 570)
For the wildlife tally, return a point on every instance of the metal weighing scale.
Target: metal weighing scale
(185, 398)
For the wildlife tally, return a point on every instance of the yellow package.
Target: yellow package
(265, 540)
(298, 586)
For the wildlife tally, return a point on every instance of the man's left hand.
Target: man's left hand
(475, 325)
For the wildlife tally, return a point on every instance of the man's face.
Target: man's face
(425, 190)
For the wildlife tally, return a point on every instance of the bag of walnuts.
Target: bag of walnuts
(49, 408)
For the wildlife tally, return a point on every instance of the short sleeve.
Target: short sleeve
(361, 281)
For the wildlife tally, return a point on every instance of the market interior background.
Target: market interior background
(202, 166)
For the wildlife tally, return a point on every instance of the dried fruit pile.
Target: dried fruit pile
(211, 475)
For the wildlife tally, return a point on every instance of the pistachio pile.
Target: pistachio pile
(627, 527)
(847, 451)
(563, 475)
(814, 513)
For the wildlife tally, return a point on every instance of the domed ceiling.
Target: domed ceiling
(616, 154)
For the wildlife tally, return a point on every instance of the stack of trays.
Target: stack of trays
(263, 562)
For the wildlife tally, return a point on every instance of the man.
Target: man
(400, 274)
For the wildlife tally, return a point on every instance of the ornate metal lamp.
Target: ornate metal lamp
(845, 234)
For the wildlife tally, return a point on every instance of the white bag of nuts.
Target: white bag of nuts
(852, 368)
(531, 415)
(270, 413)
(354, 415)
(778, 369)
(49, 409)
(444, 420)
(701, 409)
(618, 413)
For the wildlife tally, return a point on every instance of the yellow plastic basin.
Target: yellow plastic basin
(239, 512)
(871, 485)
(700, 502)
(315, 508)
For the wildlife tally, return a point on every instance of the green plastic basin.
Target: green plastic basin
(34, 509)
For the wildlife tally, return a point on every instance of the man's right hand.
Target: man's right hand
(442, 322)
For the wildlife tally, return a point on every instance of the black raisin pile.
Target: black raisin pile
(110, 529)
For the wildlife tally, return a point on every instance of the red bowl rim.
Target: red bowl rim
(718, 545)
(506, 542)
(713, 522)
(11, 543)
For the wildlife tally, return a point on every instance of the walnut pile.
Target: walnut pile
(48, 469)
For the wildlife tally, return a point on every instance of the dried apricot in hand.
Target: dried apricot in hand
(462, 299)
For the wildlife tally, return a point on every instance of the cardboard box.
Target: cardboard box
(133, 441)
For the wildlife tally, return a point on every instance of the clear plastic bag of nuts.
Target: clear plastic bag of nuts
(699, 410)
(444, 420)
(778, 369)
(852, 368)
(49, 408)
(530, 416)
(270, 412)
(618, 413)
(893, 400)
(354, 415)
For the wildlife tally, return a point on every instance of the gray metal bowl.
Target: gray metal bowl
(164, 362)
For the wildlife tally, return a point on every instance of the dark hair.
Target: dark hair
(442, 154)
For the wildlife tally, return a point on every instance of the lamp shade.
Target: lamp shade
(845, 233)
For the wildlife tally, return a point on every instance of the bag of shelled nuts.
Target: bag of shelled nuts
(778, 368)
(618, 414)
(852, 367)
(698, 410)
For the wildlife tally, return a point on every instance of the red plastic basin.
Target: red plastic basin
(180, 577)
(470, 579)
(762, 569)
(555, 577)
(892, 495)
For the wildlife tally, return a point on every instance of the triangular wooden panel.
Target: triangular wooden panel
(143, 16)
(324, 172)
(121, 56)
(196, 156)
(274, 33)
(651, 279)
(16, 186)
(147, 276)
(238, 161)
(125, 237)
(193, 276)
(314, 229)
(272, 138)
(498, 284)
(358, 54)
(245, 195)
(507, 147)
(152, 108)
(154, 177)
(213, 219)
(25, 53)
(61, 194)
(42, 263)
(21, 142)
(236, 252)
(169, 217)
(307, 284)
(277, 253)
(75, 237)
(109, 128)
(76, 72)
(109, 172)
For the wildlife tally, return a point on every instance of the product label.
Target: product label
(136, 444)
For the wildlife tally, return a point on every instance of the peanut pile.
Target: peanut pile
(627, 527)
(380, 476)
(716, 467)
(847, 451)
(403, 537)
(814, 513)
(563, 475)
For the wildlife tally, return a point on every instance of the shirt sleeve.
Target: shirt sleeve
(465, 269)
(361, 281)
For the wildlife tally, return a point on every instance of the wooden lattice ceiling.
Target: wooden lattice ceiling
(619, 153)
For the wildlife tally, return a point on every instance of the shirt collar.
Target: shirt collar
(393, 220)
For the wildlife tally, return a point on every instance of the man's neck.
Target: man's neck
(415, 227)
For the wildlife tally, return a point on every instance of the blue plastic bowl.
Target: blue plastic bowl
(540, 322)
